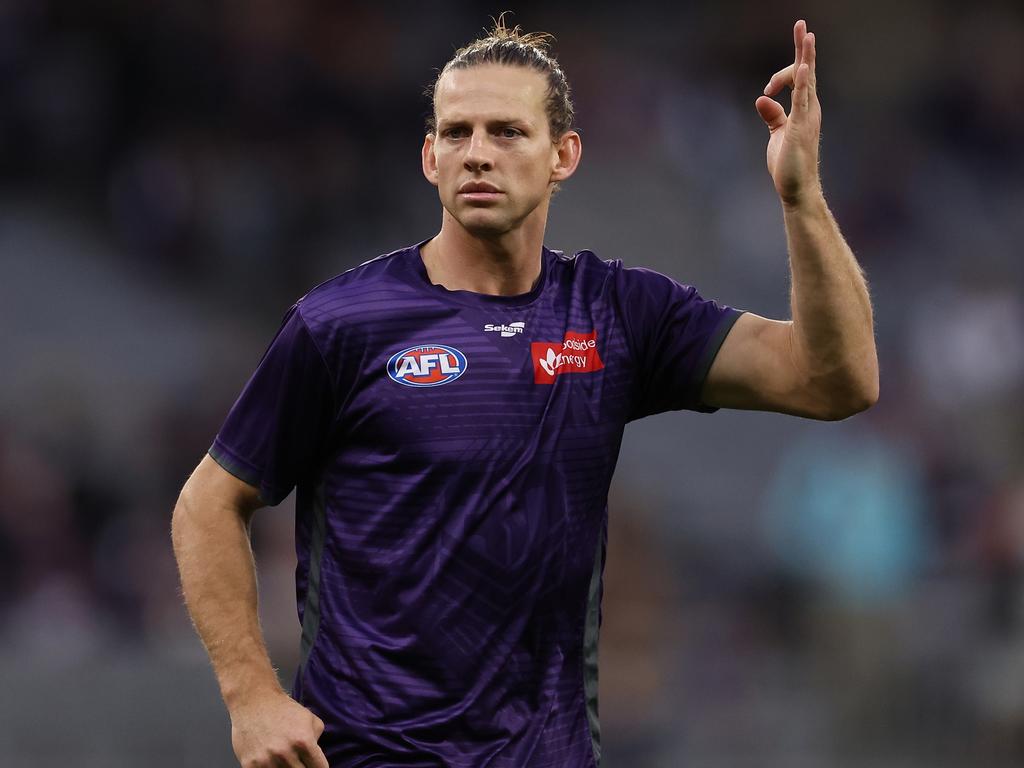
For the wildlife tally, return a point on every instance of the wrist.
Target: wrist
(239, 693)
(811, 202)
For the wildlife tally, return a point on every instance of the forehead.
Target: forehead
(491, 90)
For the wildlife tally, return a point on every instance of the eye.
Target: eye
(510, 133)
(458, 132)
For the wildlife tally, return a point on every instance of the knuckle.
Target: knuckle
(277, 752)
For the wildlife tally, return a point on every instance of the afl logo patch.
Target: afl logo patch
(427, 366)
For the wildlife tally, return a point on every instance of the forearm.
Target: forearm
(832, 332)
(218, 580)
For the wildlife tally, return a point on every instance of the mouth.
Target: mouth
(477, 186)
(480, 197)
(479, 191)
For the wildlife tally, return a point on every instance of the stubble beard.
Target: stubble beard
(494, 222)
(485, 223)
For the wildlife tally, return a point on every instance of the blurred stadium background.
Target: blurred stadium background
(779, 592)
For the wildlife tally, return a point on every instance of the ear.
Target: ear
(567, 153)
(429, 161)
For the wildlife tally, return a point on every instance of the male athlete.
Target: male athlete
(451, 415)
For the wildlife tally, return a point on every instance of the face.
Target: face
(493, 159)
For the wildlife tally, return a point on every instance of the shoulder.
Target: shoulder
(380, 270)
(380, 282)
(586, 270)
(614, 276)
(588, 263)
(584, 261)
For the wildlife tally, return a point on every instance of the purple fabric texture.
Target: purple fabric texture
(452, 454)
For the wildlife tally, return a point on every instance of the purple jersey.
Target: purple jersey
(452, 453)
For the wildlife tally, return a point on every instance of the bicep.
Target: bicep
(755, 369)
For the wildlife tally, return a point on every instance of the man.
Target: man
(451, 414)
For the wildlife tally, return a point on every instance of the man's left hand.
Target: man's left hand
(793, 140)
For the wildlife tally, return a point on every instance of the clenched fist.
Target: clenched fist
(274, 730)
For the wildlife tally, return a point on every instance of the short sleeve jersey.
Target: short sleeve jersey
(452, 454)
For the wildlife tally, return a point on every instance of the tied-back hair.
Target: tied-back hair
(513, 47)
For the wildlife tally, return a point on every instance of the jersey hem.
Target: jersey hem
(243, 470)
(708, 355)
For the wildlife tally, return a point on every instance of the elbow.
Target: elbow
(851, 396)
(851, 406)
(870, 392)
(190, 514)
(181, 516)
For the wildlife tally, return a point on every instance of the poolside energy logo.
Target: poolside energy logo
(429, 365)
(576, 353)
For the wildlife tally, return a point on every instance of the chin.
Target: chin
(485, 231)
(484, 225)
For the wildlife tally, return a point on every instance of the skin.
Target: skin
(823, 363)
(492, 128)
(210, 533)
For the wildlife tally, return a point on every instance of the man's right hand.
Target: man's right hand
(275, 730)
(210, 532)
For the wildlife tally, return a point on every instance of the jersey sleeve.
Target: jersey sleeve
(277, 431)
(674, 335)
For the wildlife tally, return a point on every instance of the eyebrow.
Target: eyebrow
(459, 121)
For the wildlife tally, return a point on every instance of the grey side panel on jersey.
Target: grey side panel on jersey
(311, 611)
(590, 635)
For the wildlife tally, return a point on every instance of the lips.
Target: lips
(478, 187)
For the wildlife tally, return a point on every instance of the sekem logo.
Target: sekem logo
(576, 353)
(428, 365)
(506, 330)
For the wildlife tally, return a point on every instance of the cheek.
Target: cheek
(536, 170)
(447, 171)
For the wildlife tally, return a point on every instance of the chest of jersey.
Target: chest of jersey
(465, 385)
(479, 446)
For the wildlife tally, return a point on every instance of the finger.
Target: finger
(781, 79)
(287, 761)
(771, 112)
(799, 31)
(803, 89)
(314, 758)
(810, 57)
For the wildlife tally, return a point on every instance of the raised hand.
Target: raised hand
(793, 139)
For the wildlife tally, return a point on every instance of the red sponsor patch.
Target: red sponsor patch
(576, 353)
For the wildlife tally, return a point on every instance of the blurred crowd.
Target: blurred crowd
(174, 175)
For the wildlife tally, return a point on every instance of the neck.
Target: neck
(504, 265)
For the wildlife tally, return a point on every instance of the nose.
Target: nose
(478, 157)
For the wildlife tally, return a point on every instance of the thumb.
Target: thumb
(771, 112)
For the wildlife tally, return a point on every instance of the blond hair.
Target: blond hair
(512, 47)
